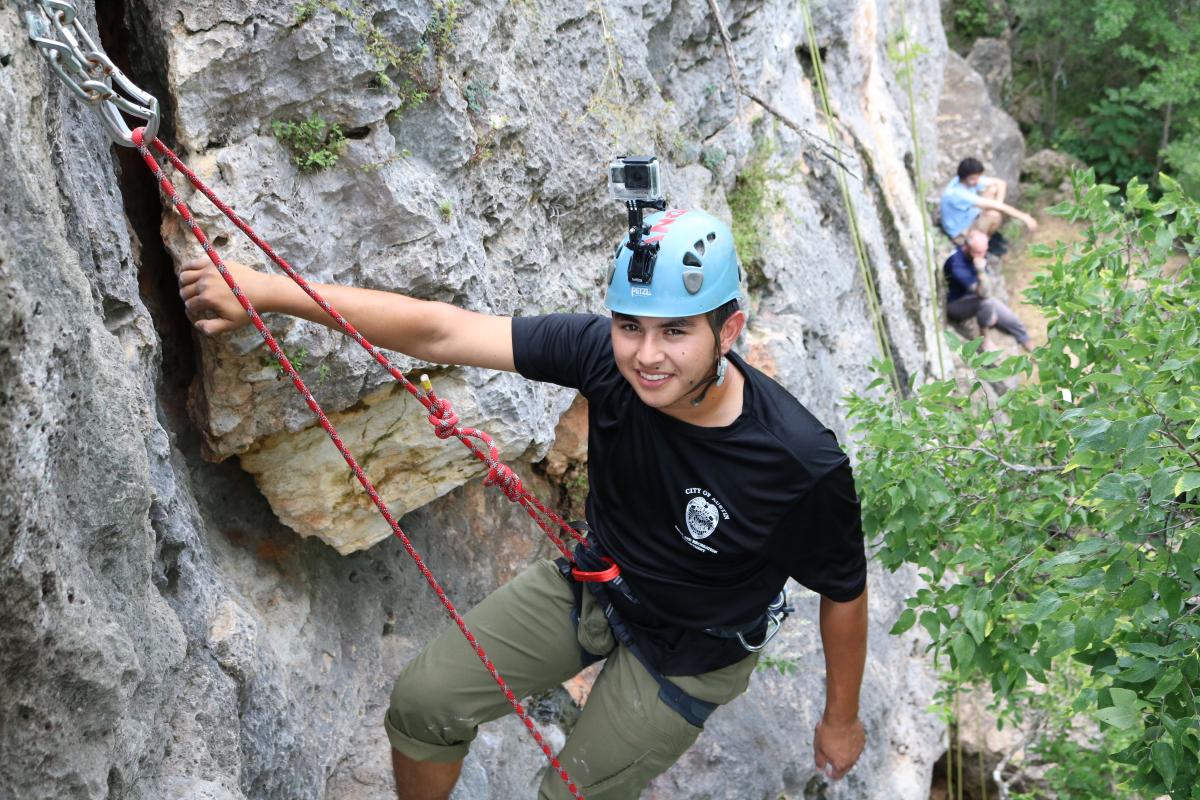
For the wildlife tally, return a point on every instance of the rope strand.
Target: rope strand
(441, 415)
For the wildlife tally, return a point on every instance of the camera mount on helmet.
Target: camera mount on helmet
(635, 180)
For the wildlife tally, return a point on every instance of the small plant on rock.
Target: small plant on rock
(314, 143)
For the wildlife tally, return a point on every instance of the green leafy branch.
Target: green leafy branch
(1058, 528)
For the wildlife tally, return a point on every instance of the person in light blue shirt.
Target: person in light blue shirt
(975, 200)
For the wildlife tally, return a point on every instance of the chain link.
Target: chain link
(60, 37)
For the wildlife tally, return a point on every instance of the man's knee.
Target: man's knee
(421, 722)
(989, 312)
(988, 221)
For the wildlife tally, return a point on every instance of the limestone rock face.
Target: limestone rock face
(992, 59)
(971, 124)
(1051, 169)
(502, 143)
(166, 632)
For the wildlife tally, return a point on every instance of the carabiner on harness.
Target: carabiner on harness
(777, 612)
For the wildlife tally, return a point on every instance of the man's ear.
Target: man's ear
(731, 329)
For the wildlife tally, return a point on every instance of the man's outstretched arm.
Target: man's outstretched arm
(839, 738)
(435, 332)
(1005, 208)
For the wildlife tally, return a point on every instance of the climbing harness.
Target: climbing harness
(91, 75)
(595, 571)
(600, 574)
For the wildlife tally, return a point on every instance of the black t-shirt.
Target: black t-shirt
(706, 523)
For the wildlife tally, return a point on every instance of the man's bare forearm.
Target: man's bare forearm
(390, 320)
(844, 637)
(431, 331)
(1005, 208)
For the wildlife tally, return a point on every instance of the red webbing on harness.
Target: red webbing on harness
(597, 576)
(440, 415)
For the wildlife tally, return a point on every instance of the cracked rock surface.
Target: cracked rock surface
(197, 600)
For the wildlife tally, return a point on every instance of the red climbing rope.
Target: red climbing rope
(441, 416)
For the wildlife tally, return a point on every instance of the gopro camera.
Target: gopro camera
(634, 178)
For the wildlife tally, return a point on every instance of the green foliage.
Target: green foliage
(1077, 770)
(1181, 156)
(575, 491)
(440, 31)
(904, 53)
(749, 206)
(713, 157)
(971, 19)
(313, 143)
(375, 166)
(446, 209)
(297, 360)
(1136, 65)
(406, 73)
(1058, 528)
(1117, 138)
(305, 11)
(782, 665)
(476, 93)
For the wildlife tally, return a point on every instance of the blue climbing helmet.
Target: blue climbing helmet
(695, 268)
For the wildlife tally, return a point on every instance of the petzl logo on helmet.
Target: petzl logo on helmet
(640, 291)
(660, 228)
(701, 517)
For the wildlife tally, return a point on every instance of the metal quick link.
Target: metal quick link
(71, 53)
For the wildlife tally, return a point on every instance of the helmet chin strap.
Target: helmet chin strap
(715, 378)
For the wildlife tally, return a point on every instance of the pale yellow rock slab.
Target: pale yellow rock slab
(313, 491)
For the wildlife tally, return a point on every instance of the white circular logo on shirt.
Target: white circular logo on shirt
(702, 517)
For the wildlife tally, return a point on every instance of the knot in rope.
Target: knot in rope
(443, 419)
(500, 474)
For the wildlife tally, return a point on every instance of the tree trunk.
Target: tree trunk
(1166, 138)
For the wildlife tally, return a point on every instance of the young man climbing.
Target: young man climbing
(710, 486)
(973, 200)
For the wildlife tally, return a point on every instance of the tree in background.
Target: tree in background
(1116, 82)
(1058, 527)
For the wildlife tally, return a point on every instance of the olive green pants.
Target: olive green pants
(625, 736)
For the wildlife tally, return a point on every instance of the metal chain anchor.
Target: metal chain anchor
(60, 37)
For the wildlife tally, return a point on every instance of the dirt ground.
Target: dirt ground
(1019, 267)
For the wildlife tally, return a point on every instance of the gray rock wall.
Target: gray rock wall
(970, 123)
(165, 631)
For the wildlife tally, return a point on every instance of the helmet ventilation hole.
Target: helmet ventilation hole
(699, 247)
(690, 260)
(693, 280)
(712, 237)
